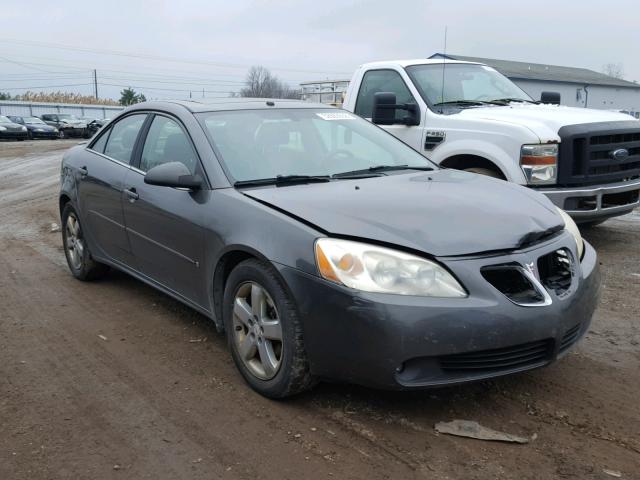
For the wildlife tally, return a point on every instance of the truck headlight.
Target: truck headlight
(540, 163)
(571, 227)
(376, 269)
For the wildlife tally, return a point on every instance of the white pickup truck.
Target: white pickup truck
(586, 161)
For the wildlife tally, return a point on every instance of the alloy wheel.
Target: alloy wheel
(74, 242)
(257, 330)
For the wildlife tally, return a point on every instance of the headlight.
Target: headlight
(2, 129)
(55, 130)
(24, 129)
(540, 163)
(572, 228)
(375, 269)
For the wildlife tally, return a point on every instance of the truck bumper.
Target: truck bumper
(596, 202)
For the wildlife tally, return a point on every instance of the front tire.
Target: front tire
(264, 331)
(484, 171)
(76, 250)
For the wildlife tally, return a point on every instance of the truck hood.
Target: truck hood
(542, 118)
(441, 213)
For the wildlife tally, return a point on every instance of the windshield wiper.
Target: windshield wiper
(509, 100)
(460, 102)
(379, 169)
(283, 180)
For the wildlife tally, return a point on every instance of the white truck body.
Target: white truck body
(469, 136)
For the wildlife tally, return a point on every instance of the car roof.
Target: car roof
(226, 104)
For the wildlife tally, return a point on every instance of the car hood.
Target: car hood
(542, 118)
(442, 213)
(11, 125)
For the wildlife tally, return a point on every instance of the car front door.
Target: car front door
(101, 184)
(163, 223)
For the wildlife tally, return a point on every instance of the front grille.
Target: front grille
(569, 338)
(585, 156)
(556, 271)
(508, 358)
(512, 281)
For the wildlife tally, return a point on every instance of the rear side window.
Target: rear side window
(375, 81)
(167, 142)
(123, 137)
(98, 146)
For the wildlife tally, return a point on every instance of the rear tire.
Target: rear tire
(264, 331)
(76, 250)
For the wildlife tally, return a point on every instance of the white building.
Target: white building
(578, 87)
(324, 91)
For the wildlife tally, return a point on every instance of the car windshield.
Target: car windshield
(261, 144)
(4, 119)
(31, 120)
(463, 83)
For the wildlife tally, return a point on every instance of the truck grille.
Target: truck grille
(586, 153)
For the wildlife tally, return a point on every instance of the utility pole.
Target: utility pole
(95, 82)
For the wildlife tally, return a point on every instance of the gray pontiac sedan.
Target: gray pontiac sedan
(325, 248)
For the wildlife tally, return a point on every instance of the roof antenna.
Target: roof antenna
(444, 63)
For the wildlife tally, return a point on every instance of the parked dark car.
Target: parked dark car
(36, 128)
(68, 125)
(12, 130)
(94, 125)
(325, 248)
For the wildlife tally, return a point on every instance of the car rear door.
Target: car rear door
(101, 184)
(164, 224)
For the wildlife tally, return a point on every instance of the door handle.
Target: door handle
(83, 171)
(132, 194)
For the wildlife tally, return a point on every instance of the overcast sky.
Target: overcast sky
(298, 40)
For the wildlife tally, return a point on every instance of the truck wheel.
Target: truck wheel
(264, 332)
(484, 171)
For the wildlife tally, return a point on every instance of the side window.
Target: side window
(375, 81)
(167, 142)
(123, 137)
(98, 145)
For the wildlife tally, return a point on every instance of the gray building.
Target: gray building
(578, 87)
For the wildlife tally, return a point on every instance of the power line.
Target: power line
(150, 57)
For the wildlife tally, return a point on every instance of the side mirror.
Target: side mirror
(384, 110)
(173, 174)
(552, 98)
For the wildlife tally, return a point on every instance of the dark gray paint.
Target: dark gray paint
(175, 240)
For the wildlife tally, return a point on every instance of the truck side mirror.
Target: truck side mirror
(550, 97)
(384, 110)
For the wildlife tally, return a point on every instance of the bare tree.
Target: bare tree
(261, 83)
(615, 70)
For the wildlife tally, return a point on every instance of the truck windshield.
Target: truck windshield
(263, 144)
(464, 84)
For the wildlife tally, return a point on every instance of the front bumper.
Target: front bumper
(598, 202)
(6, 135)
(396, 341)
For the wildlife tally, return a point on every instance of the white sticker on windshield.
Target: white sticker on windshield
(336, 116)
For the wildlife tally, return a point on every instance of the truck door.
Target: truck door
(388, 80)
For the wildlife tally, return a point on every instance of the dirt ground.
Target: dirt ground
(112, 379)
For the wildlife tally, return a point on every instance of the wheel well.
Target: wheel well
(225, 265)
(462, 162)
(64, 199)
